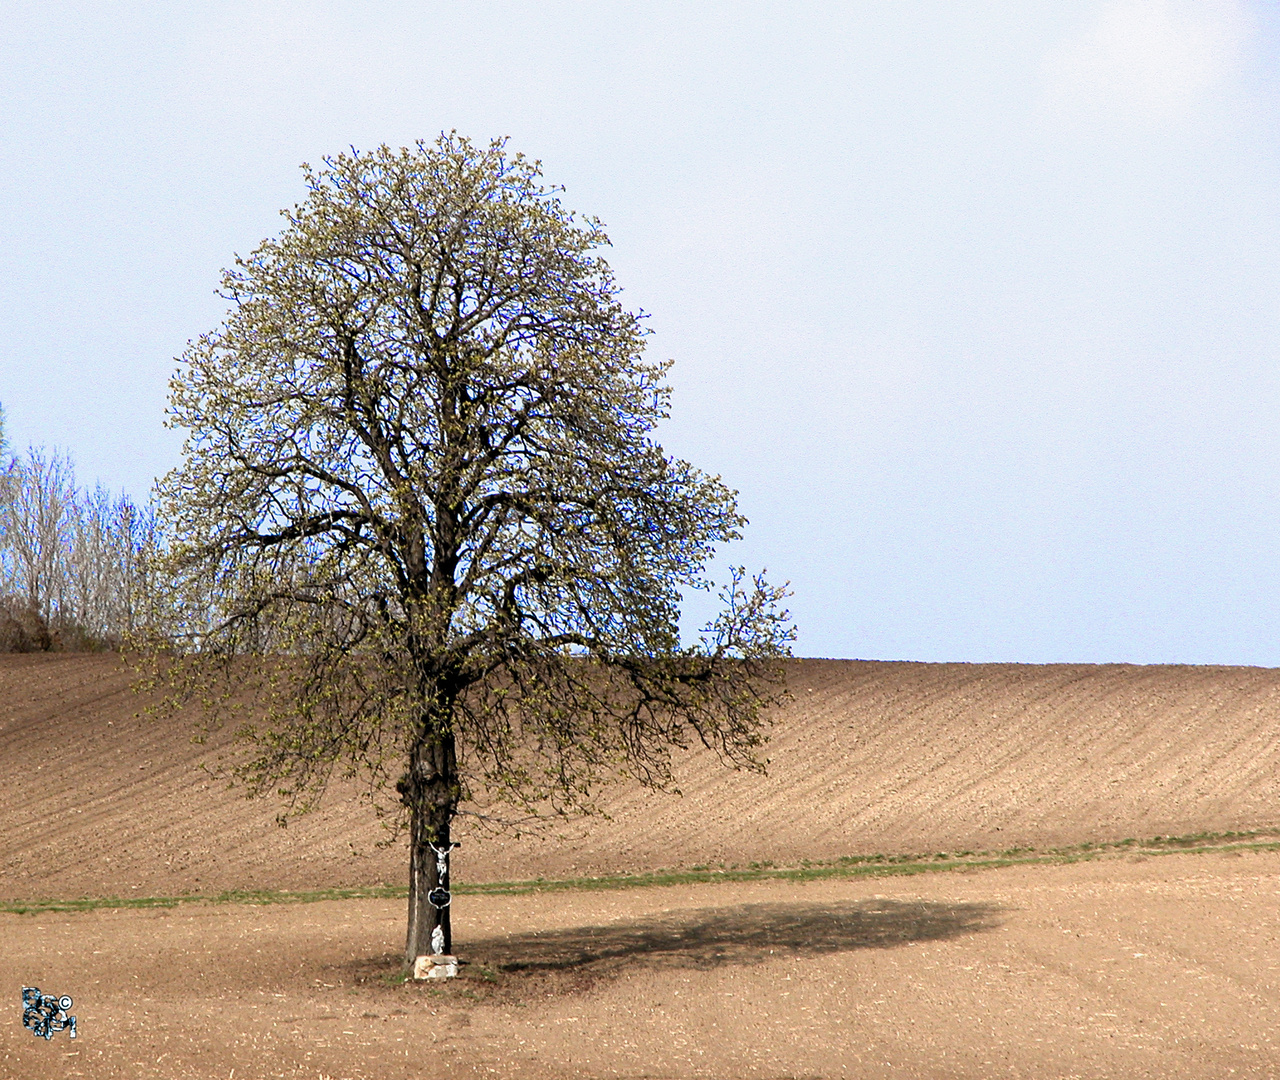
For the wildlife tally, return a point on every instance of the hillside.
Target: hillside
(868, 757)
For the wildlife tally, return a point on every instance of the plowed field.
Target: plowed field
(1158, 967)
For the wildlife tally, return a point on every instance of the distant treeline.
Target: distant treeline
(72, 560)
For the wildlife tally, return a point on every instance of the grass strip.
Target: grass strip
(231, 896)
(850, 866)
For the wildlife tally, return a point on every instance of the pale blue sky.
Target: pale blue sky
(976, 304)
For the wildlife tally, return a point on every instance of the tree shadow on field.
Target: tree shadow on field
(708, 938)
(704, 938)
(745, 934)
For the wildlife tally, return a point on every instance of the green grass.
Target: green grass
(849, 866)
(233, 896)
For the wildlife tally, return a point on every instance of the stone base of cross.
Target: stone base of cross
(435, 967)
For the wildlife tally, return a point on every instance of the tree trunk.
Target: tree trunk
(432, 786)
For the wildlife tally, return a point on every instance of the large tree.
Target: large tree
(420, 487)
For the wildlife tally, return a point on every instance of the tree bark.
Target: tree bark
(432, 797)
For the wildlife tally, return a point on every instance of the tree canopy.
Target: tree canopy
(421, 482)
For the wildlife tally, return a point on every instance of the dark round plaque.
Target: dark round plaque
(439, 898)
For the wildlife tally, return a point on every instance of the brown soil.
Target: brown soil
(1162, 967)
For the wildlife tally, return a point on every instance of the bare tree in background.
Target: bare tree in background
(108, 536)
(37, 517)
(72, 571)
(420, 482)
